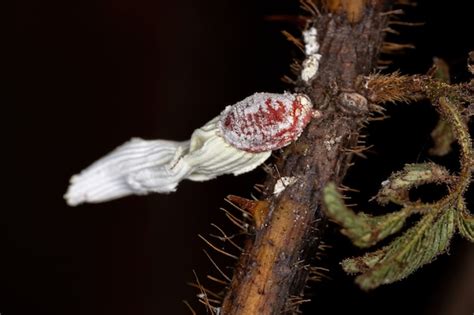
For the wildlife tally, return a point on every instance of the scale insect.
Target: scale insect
(265, 121)
(237, 141)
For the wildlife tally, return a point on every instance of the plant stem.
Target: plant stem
(272, 268)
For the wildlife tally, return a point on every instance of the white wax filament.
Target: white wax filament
(142, 166)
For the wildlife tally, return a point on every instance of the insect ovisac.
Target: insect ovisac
(237, 141)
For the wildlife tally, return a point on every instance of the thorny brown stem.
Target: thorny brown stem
(269, 277)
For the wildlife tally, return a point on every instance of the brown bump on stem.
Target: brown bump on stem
(257, 208)
(354, 9)
(353, 103)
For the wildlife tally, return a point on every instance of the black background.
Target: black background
(92, 74)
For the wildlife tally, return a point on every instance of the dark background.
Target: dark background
(92, 74)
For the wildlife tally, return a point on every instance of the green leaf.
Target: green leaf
(363, 263)
(417, 247)
(397, 187)
(440, 70)
(443, 138)
(442, 134)
(465, 223)
(362, 229)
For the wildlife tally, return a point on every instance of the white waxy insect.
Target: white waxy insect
(282, 183)
(241, 138)
(311, 62)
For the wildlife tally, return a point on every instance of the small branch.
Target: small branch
(430, 236)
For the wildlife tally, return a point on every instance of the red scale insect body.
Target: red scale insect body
(265, 121)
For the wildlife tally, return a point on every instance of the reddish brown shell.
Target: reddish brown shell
(265, 121)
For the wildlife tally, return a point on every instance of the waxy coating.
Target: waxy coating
(265, 121)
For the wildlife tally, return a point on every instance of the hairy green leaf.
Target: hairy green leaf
(417, 247)
(397, 187)
(363, 263)
(465, 224)
(443, 138)
(363, 230)
(442, 134)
